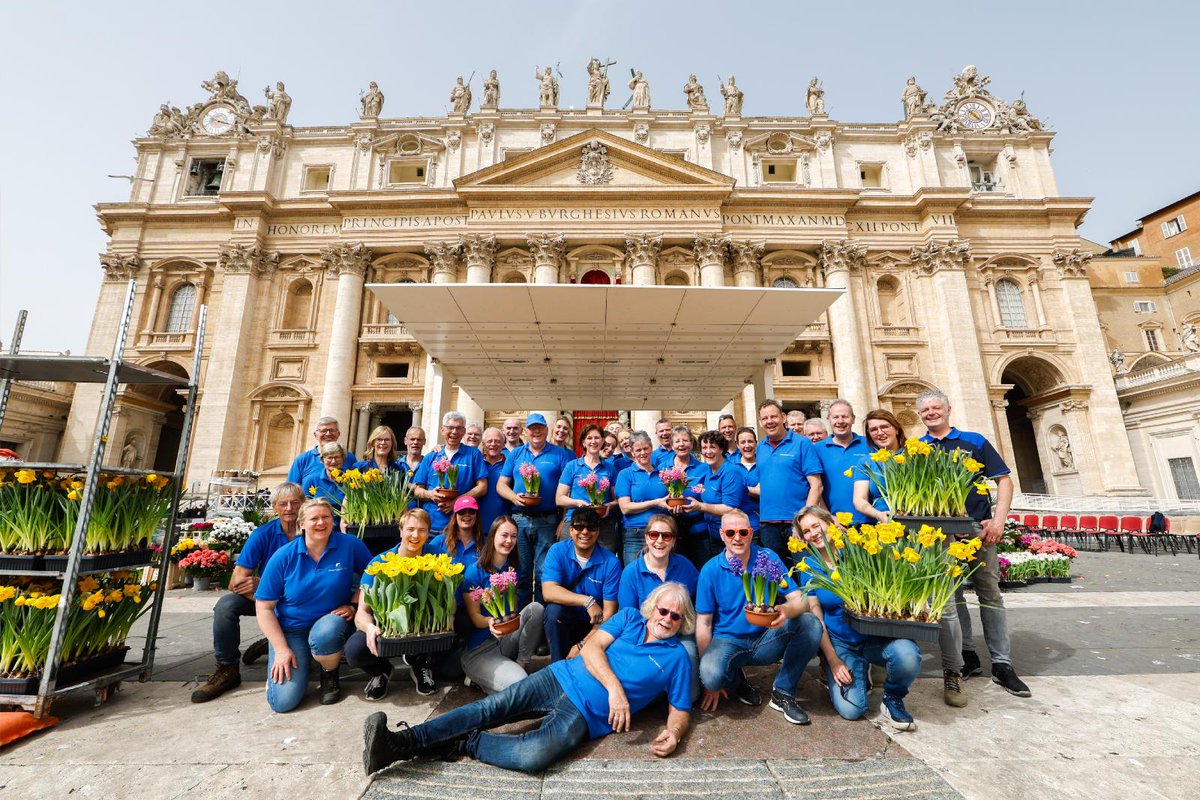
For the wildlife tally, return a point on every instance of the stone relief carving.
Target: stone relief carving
(1072, 405)
(734, 140)
(273, 144)
(365, 141)
(814, 98)
(479, 250)
(747, 257)
(547, 249)
(491, 91)
(823, 140)
(641, 92)
(1060, 445)
(371, 102)
(460, 97)
(547, 88)
(597, 85)
(1189, 339)
(1117, 359)
(548, 130)
(594, 166)
(486, 131)
(935, 256)
(733, 97)
(231, 117)
(641, 133)
(346, 258)
(642, 249)
(969, 84)
(240, 258)
(703, 133)
(279, 103)
(694, 93)
(710, 248)
(918, 141)
(453, 140)
(1072, 263)
(443, 256)
(119, 267)
(840, 255)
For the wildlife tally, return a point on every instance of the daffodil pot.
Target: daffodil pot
(201, 583)
(951, 526)
(377, 538)
(762, 616)
(508, 624)
(21, 562)
(68, 674)
(890, 628)
(391, 647)
(676, 502)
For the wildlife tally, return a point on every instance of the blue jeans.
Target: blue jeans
(635, 540)
(563, 727)
(326, 637)
(901, 658)
(535, 535)
(796, 642)
(227, 626)
(565, 627)
(774, 536)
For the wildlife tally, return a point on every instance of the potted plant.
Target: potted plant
(676, 481)
(413, 599)
(533, 483)
(499, 599)
(203, 564)
(373, 504)
(925, 485)
(596, 489)
(761, 582)
(894, 581)
(231, 533)
(447, 476)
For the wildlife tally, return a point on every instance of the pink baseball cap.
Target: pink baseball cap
(465, 502)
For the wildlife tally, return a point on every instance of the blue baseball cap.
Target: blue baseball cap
(535, 419)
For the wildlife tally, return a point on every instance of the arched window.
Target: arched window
(891, 305)
(1012, 305)
(784, 282)
(514, 277)
(595, 277)
(179, 313)
(279, 444)
(676, 279)
(297, 308)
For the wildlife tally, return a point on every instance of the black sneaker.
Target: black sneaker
(255, 651)
(893, 711)
(792, 711)
(381, 747)
(971, 664)
(331, 686)
(377, 687)
(745, 691)
(422, 676)
(1006, 676)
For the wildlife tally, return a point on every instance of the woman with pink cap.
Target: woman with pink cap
(463, 537)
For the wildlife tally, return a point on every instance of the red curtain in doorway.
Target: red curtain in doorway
(585, 418)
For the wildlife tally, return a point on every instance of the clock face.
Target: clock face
(218, 120)
(974, 116)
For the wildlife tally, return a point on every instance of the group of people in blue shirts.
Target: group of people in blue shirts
(610, 570)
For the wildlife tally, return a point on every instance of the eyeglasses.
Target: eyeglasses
(742, 532)
(467, 512)
(675, 617)
(666, 536)
(583, 527)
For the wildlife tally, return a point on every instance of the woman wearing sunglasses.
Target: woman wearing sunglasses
(632, 659)
(463, 536)
(849, 653)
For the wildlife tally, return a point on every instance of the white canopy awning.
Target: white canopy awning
(515, 346)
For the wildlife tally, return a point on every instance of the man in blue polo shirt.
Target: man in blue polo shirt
(580, 582)
(958, 648)
(789, 478)
(632, 659)
(326, 432)
(843, 450)
(227, 624)
(728, 641)
(471, 479)
(492, 505)
(664, 452)
(537, 518)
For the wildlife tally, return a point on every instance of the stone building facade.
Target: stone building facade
(960, 260)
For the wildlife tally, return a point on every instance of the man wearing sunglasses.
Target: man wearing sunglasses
(728, 642)
(580, 583)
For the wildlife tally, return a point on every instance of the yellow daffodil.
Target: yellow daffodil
(873, 547)
(981, 488)
(911, 556)
(795, 545)
(835, 575)
(881, 455)
(849, 473)
(803, 566)
(312, 491)
(900, 458)
(972, 465)
(844, 518)
(25, 476)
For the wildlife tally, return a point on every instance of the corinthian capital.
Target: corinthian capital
(241, 258)
(842, 255)
(443, 256)
(343, 258)
(710, 248)
(479, 251)
(119, 267)
(642, 249)
(935, 256)
(746, 256)
(547, 248)
(1072, 263)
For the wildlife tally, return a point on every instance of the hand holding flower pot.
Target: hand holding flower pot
(533, 484)
(761, 582)
(676, 481)
(499, 599)
(597, 490)
(447, 477)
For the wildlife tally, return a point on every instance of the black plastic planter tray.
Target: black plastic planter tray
(1013, 584)
(1067, 579)
(377, 538)
(21, 562)
(951, 526)
(104, 561)
(895, 628)
(72, 673)
(415, 645)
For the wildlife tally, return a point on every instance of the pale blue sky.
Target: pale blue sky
(1116, 81)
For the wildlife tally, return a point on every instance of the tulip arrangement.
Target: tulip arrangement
(595, 488)
(447, 473)
(373, 497)
(500, 597)
(532, 478)
(412, 596)
(924, 481)
(887, 571)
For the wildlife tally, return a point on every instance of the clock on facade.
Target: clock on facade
(974, 115)
(218, 120)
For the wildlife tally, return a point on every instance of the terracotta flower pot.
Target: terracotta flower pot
(509, 624)
(676, 502)
(445, 495)
(763, 619)
(531, 500)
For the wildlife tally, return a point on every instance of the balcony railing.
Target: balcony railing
(175, 340)
(897, 331)
(295, 338)
(1027, 335)
(1186, 366)
(395, 331)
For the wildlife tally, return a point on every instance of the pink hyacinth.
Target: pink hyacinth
(527, 470)
(502, 580)
(698, 489)
(477, 594)
(442, 465)
(603, 485)
(672, 474)
(588, 482)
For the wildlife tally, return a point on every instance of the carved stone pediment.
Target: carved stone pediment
(779, 143)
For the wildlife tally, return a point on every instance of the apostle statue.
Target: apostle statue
(548, 91)
(1062, 449)
(913, 98)
(491, 91)
(460, 97)
(372, 102)
(597, 88)
(1190, 339)
(1117, 359)
(815, 98)
(694, 93)
(279, 103)
(733, 98)
(641, 92)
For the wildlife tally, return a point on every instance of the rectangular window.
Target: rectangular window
(509, 152)
(204, 177)
(1152, 342)
(316, 179)
(1184, 257)
(1132, 277)
(1144, 307)
(1173, 227)
(392, 370)
(983, 177)
(1136, 246)
(871, 175)
(1183, 474)
(796, 369)
(779, 171)
(680, 154)
(406, 172)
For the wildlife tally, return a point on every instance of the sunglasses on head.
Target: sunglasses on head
(675, 617)
(742, 532)
(666, 536)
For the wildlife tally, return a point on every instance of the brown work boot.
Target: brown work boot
(952, 691)
(227, 677)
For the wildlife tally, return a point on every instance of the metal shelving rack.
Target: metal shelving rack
(112, 372)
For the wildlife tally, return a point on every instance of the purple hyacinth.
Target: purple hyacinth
(736, 566)
(765, 567)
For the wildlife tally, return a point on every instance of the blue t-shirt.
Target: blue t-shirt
(305, 590)
(601, 575)
(726, 486)
(305, 461)
(976, 445)
(692, 523)
(637, 581)
(477, 576)
(394, 466)
(620, 461)
(640, 485)
(492, 505)
(661, 455)
(838, 490)
(261, 545)
(749, 473)
(719, 592)
(576, 471)
(783, 471)
(471, 470)
(832, 607)
(317, 483)
(646, 669)
(550, 464)
(369, 580)
(466, 556)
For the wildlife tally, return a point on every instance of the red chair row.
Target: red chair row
(1103, 530)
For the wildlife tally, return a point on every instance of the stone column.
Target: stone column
(840, 257)
(749, 407)
(443, 261)
(348, 264)
(747, 269)
(480, 255)
(363, 429)
(710, 258)
(1003, 441)
(644, 420)
(989, 283)
(415, 408)
(438, 383)
(1115, 474)
(1035, 288)
(763, 384)
(547, 250)
(642, 251)
(218, 441)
